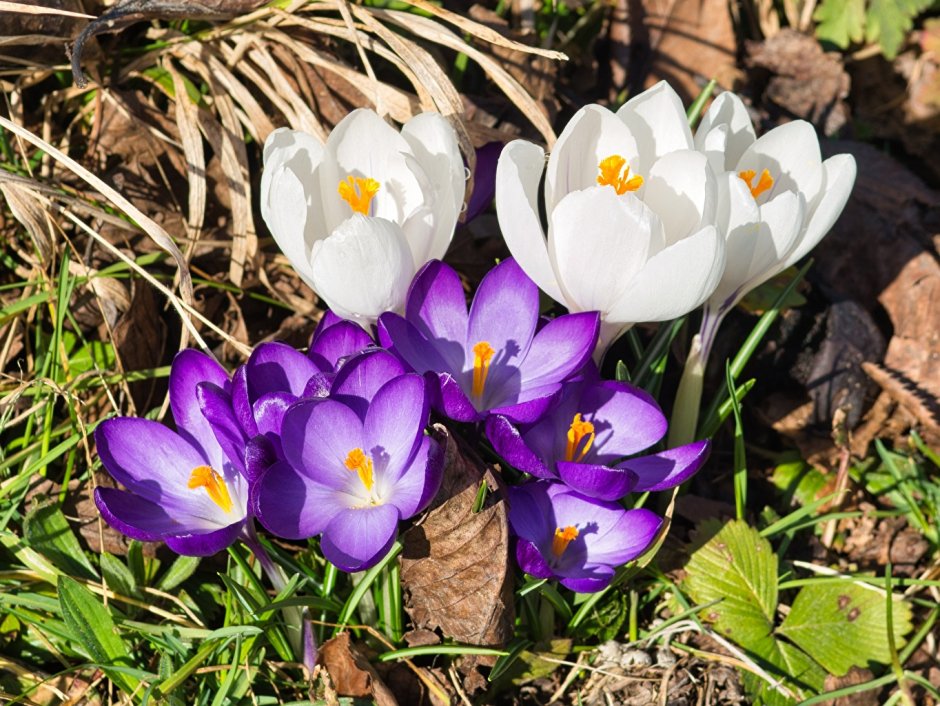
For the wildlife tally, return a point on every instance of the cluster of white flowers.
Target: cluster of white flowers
(645, 221)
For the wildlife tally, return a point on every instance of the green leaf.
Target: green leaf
(120, 578)
(607, 618)
(93, 355)
(889, 21)
(537, 664)
(737, 567)
(842, 625)
(180, 570)
(93, 627)
(841, 22)
(799, 675)
(47, 531)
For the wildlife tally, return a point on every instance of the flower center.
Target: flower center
(763, 184)
(483, 354)
(563, 537)
(610, 175)
(358, 193)
(578, 432)
(357, 462)
(206, 477)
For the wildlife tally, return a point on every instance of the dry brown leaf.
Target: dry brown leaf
(26, 208)
(139, 338)
(351, 672)
(187, 122)
(455, 570)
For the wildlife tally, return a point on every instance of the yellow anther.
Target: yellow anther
(610, 175)
(563, 537)
(358, 193)
(483, 354)
(577, 432)
(358, 462)
(206, 477)
(763, 184)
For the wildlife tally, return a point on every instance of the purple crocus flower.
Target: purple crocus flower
(582, 440)
(484, 180)
(185, 487)
(578, 540)
(494, 359)
(356, 463)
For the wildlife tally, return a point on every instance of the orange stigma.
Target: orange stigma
(206, 477)
(577, 432)
(483, 354)
(610, 169)
(763, 184)
(358, 193)
(358, 462)
(563, 537)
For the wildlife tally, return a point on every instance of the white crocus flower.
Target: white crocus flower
(630, 207)
(777, 199)
(358, 216)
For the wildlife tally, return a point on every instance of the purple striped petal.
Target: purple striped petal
(596, 481)
(216, 406)
(317, 436)
(626, 539)
(363, 376)
(395, 421)
(191, 367)
(669, 468)
(504, 313)
(560, 349)
(508, 443)
(335, 339)
(419, 353)
(291, 505)
(437, 308)
(137, 518)
(626, 420)
(419, 481)
(357, 538)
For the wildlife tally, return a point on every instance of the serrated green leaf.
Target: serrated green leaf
(842, 625)
(181, 569)
(797, 673)
(120, 578)
(46, 530)
(93, 627)
(888, 22)
(841, 22)
(738, 568)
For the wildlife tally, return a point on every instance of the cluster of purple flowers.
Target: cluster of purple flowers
(334, 443)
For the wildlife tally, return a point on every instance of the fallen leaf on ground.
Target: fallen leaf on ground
(351, 672)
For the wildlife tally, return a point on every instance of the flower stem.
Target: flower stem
(685, 410)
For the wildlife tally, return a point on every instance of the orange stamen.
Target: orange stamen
(358, 193)
(577, 432)
(763, 184)
(358, 462)
(610, 169)
(483, 354)
(563, 537)
(206, 477)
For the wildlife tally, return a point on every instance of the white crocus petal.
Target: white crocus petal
(363, 145)
(289, 195)
(598, 241)
(363, 269)
(592, 135)
(790, 153)
(840, 172)
(675, 281)
(518, 173)
(728, 116)
(681, 188)
(658, 123)
(434, 145)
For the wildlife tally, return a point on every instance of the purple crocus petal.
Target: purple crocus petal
(260, 455)
(504, 313)
(241, 402)
(530, 511)
(596, 481)
(508, 443)
(531, 561)
(216, 405)
(418, 482)
(277, 367)
(560, 348)
(135, 517)
(626, 420)
(534, 403)
(270, 410)
(147, 458)
(335, 339)
(357, 538)
(437, 308)
(317, 436)
(417, 352)
(191, 367)
(362, 376)
(669, 468)
(318, 386)
(291, 505)
(625, 539)
(484, 180)
(395, 420)
(448, 398)
(205, 544)
(595, 579)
